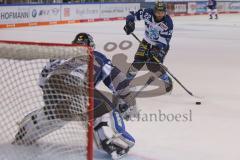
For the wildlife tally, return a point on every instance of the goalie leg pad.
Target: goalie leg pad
(111, 133)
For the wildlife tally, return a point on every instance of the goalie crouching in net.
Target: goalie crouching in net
(63, 93)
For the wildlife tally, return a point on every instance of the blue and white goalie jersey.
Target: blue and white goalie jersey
(104, 71)
(156, 33)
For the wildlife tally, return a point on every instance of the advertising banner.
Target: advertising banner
(222, 6)
(62, 13)
(44, 13)
(233, 7)
(170, 8)
(80, 11)
(31, 15)
(180, 7)
(117, 10)
(13, 14)
(192, 7)
(201, 7)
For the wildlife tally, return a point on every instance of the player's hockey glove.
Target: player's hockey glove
(129, 27)
(157, 53)
(111, 135)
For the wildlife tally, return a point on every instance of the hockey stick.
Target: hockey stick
(149, 81)
(167, 70)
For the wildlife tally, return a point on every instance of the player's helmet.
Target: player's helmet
(84, 39)
(160, 6)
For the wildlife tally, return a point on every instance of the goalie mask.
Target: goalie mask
(84, 39)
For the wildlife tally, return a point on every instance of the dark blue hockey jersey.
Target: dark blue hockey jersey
(212, 4)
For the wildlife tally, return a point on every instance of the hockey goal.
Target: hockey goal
(39, 122)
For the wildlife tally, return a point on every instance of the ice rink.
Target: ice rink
(204, 56)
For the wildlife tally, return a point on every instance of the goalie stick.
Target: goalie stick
(166, 69)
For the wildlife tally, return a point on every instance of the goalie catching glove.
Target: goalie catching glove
(111, 135)
(125, 110)
(125, 103)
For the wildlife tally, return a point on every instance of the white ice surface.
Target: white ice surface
(205, 56)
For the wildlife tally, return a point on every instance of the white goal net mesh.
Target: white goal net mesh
(44, 101)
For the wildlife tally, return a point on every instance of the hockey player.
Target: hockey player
(63, 96)
(212, 6)
(155, 45)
